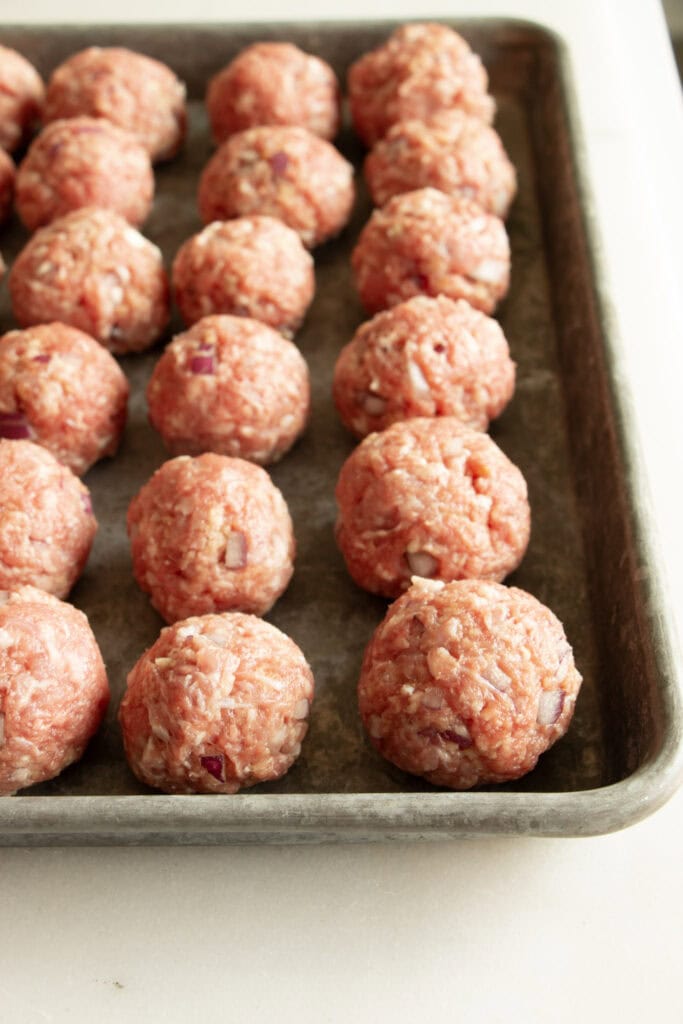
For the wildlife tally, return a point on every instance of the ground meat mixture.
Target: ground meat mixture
(92, 270)
(21, 98)
(284, 172)
(432, 498)
(7, 181)
(252, 266)
(220, 702)
(274, 83)
(428, 243)
(424, 357)
(53, 687)
(47, 524)
(421, 68)
(467, 683)
(133, 91)
(61, 389)
(211, 534)
(450, 151)
(230, 385)
(84, 161)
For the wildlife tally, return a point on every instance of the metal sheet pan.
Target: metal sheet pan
(591, 557)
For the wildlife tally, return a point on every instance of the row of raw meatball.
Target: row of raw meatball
(221, 702)
(233, 385)
(217, 703)
(466, 681)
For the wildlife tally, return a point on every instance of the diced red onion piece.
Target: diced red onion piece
(279, 163)
(550, 706)
(14, 426)
(87, 504)
(563, 664)
(421, 563)
(374, 405)
(432, 698)
(205, 346)
(42, 358)
(376, 727)
(202, 364)
(214, 766)
(418, 380)
(497, 678)
(236, 550)
(301, 709)
(462, 739)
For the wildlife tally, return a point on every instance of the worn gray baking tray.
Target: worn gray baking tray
(591, 556)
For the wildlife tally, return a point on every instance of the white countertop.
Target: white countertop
(488, 930)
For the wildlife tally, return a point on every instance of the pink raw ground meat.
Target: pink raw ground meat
(219, 702)
(84, 161)
(7, 181)
(92, 270)
(46, 521)
(432, 498)
(136, 92)
(61, 389)
(251, 266)
(230, 385)
(449, 151)
(53, 687)
(428, 243)
(274, 83)
(284, 172)
(467, 683)
(210, 534)
(21, 98)
(420, 69)
(424, 357)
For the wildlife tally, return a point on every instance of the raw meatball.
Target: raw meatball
(21, 98)
(53, 687)
(424, 357)
(283, 172)
(61, 389)
(274, 83)
(84, 161)
(419, 70)
(230, 385)
(133, 91)
(47, 524)
(252, 266)
(432, 498)
(211, 534)
(219, 702)
(467, 683)
(450, 151)
(7, 179)
(428, 243)
(92, 270)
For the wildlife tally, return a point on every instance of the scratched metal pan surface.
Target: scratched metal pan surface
(591, 557)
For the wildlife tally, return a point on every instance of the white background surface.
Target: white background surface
(490, 930)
